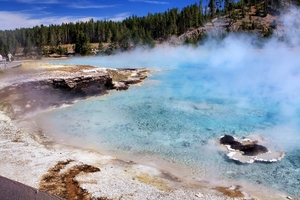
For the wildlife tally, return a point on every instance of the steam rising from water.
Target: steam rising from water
(228, 86)
(234, 68)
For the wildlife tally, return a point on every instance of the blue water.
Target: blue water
(179, 112)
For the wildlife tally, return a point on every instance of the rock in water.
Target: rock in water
(253, 149)
(248, 151)
(226, 140)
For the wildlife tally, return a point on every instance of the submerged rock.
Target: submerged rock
(248, 151)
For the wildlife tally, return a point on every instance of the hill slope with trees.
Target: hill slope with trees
(189, 25)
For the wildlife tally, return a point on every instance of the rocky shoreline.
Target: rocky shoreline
(68, 172)
(42, 89)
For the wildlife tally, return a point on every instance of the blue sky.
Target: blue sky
(29, 13)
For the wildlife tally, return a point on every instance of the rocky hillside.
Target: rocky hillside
(250, 22)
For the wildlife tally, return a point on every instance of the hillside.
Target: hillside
(190, 25)
(216, 26)
(261, 25)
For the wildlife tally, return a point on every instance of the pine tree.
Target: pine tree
(212, 8)
(83, 45)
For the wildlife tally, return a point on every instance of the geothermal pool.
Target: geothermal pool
(196, 96)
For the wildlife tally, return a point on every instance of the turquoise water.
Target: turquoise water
(197, 95)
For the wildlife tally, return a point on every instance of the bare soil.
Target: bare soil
(231, 192)
(64, 184)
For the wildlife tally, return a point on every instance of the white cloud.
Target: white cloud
(149, 1)
(13, 20)
(120, 16)
(88, 6)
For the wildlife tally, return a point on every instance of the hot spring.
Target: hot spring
(195, 96)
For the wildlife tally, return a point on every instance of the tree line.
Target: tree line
(134, 30)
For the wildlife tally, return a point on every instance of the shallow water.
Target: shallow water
(178, 114)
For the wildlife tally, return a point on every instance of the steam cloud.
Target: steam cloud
(236, 68)
(235, 63)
